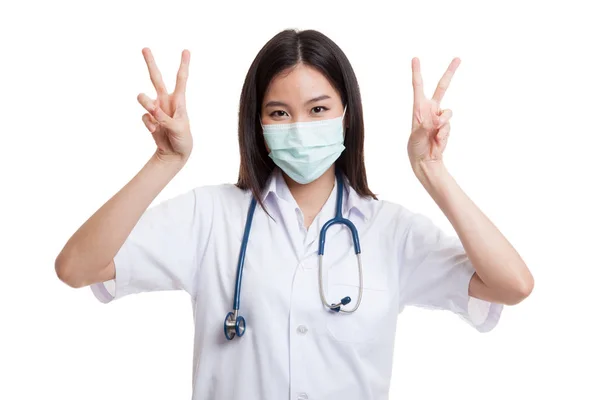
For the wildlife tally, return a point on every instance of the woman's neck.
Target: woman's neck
(312, 196)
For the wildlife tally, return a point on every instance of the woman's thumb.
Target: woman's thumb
(180, 111)
(161, 117)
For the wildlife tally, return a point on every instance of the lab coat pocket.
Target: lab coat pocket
(367, 322)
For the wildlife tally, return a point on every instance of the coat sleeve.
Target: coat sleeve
(436, 272)
(165, 248)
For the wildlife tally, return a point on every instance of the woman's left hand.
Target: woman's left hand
(430, 124)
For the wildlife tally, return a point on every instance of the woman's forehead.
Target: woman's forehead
(299, 84)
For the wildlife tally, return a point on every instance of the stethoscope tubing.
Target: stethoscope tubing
(242, 256)
(236, 325)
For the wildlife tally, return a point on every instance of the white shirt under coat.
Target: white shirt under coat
(293, 347)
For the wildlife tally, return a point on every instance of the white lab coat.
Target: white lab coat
(293, 348)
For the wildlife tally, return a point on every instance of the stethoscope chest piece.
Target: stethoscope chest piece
(234, 325)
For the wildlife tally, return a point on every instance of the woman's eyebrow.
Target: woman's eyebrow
(276, 103)
(322, 97)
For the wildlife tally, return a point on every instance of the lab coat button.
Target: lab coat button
(302, 396)
(302, 330)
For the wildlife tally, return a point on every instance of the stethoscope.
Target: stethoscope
(236, 324)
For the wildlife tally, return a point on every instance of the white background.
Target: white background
(524, 146)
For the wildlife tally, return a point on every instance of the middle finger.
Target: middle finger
(155, 75)
(182, 74)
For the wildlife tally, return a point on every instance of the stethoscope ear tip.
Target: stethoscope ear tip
(343, 302)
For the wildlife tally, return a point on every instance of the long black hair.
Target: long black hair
(287, 49)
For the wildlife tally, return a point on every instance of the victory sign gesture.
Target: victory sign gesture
(430, 124)
(167, 118)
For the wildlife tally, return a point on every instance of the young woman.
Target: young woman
(316, 314)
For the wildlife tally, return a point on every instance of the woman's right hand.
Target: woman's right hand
(167, 117)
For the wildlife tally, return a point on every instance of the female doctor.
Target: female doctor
(297, 273)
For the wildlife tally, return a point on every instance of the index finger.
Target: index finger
(445, 81)
(417, 80)
(182, 74)
(155, 75)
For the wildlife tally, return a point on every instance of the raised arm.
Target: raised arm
(501, 274)
(88, 255)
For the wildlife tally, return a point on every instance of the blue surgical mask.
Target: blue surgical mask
(305, 150)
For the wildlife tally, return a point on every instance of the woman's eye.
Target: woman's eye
(278, 113)
(320, 109)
